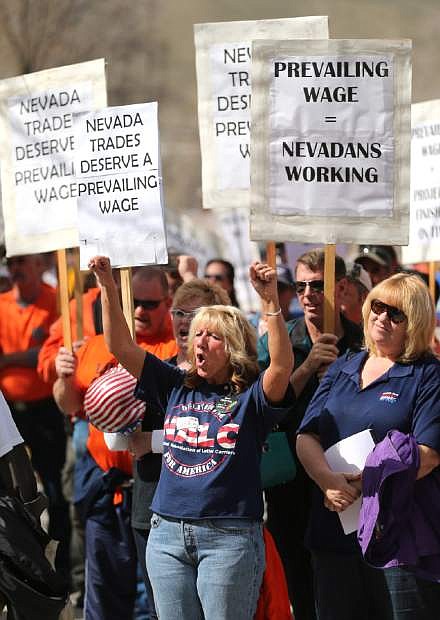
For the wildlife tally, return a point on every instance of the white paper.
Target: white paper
(120, 211)
(39, 188)
(223, 55)
(330, 141)
(424, 229)
(349, 456)
(332, 144)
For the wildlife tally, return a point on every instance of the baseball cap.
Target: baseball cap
(356, 273)
(110, 404)
(284, 276)
(373, 254)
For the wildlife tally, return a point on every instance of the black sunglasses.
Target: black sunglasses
(316, 286)
(394, 314)
(147, 304)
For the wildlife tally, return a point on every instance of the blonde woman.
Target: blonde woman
(394, 384)
(205, 553)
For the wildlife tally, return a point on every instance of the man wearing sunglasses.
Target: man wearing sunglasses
(288, 504)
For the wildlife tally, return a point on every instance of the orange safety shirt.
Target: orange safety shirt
(23, 327)
(49, 350)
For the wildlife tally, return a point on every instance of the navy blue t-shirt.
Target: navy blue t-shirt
(212, 444)
(405, 398)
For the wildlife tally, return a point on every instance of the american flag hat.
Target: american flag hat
(110, 404)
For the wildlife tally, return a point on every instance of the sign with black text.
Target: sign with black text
(120, 210)
(223, 54)
(330, 141)
(39, 188)
(424, 228)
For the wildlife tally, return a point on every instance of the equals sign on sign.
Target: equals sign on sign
(330, 119)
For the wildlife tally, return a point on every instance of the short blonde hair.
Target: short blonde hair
(240, 344)
(410, 294)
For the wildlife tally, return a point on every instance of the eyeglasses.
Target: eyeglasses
(218, 277)
(394, 314)
(147, 304)
(316, 286)
(181, 314)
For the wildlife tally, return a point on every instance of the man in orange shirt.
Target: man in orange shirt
(110, 553)
(26, 313)
(92, 325)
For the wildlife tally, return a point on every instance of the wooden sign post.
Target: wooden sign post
(78, 293)
(271, 254)
(432, 270)
(64, 298)
(127, 298)
(329, 288)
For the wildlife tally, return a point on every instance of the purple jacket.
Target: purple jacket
(399, 523)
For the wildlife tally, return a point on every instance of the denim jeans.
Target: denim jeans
(347, 588)
(208, 569)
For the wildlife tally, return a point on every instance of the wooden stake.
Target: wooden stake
(127, 298)
(78, 296)
(64, 298)
(329, 288)
(432, 271)
(271, 254)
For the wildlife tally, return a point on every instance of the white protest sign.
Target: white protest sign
(240, 251)
(424, 228)
(193, 232)
(330, 141)
(39, 189)
(223, 57)
(117, 163)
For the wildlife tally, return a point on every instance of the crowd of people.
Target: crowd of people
(167, 518)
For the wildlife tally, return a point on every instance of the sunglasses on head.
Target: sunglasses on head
(394, 314)
(218, 277)
(147, 304)
(181, 314)
(316, 286)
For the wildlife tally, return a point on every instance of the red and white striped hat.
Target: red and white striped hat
(110, 404)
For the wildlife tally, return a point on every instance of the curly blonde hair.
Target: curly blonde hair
(409, 293)
(240, 345)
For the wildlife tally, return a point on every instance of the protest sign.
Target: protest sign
(223, 58)
(117, 163)
(424, 229)
(330, 141)
(39, 190)
(193, 232)
(237, 248)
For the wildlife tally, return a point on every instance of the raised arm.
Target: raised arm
(116, 332)
(277, 375)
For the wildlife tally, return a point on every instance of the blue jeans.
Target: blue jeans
(346, 587)
(206, 568)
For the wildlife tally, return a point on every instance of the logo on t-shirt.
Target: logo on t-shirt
(389, 397)
(194, 446)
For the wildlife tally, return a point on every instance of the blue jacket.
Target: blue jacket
(399, 524)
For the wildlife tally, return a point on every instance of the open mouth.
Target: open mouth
(183, 334)
(200, 359)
